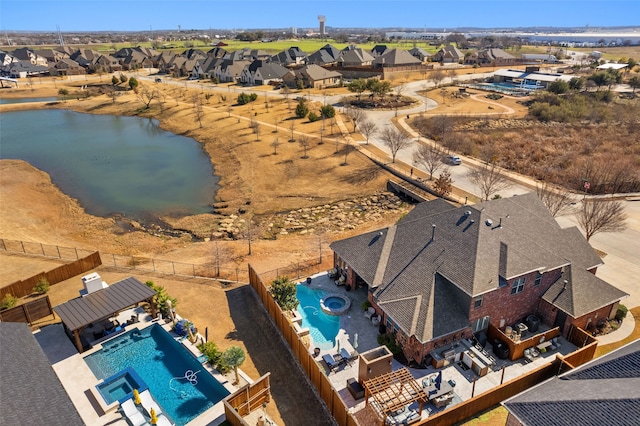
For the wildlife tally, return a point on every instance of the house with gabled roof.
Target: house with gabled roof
(313, 76)
(444, 273)
(353, 56)
(326, 55)
(106, 63)
(606, 390)
(194, 54)
(259, 72)
(396, 58)
(26, 54)
(379, 50)
(290, 57)
(449, 54)
(205, 68)
(230, 71)
(217, 52)
(66, 66)
(490, 56)
(420, 53)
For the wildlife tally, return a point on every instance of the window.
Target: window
(477, 303)
(480, 324)
(517, 286)
(538, 280)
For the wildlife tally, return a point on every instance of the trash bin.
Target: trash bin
(532, 323)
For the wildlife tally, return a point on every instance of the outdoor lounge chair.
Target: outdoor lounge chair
(331, 363)
(132, 414)
(346, 356)
(148, 403)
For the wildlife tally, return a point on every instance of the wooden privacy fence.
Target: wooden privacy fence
(25, 287)
(28, 312)
(311, 368)
(246, 400)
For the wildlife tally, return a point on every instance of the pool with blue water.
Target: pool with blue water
(323, 328)
(179, 383)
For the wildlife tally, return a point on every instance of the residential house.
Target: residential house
(85, 57)
(396, 58)
(32, 392)
(247, 54)
(230, 71)
(539, 58)
(444, 273)
(136, 60)
(379, 50)
(290, 57)
(313, 76)
(489, 56)
(205, 68)
(66, 66)
(449, 54)
(106, 63)
(259, 72)
(217, 52)
(163, 61)
(51, 55)
(355, 57)
(604, 391)
(326, 55)
(28, 55)
(186, 69)
(23, 69)
(420, 53)
(194, 54)
(6, 59)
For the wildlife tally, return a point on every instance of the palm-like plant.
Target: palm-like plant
(234, 357)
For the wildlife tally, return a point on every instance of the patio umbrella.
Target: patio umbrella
(338, 350)
(438, 379)
(136, 397)
(355, 341)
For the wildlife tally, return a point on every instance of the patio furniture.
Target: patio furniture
(331, 363)
(369, 312)
(341, 281)
(527, 355)
(355, 389)
(375, 320)
(148, 403)
(132, 414)
(346, 356)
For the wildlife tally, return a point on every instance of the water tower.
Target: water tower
(321, 20)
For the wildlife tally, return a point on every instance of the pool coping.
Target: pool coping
(336, 312)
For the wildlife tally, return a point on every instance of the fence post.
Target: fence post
(114, 260)
(76, 253)
(58, 249)
(22, 244)
(153, 264)
(173, 266)
(237, 275)
(42, 248)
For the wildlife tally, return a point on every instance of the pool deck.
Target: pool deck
(78, 379)
(467, 382)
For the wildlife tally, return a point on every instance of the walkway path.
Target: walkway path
(625, 330)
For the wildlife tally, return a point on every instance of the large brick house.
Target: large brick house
(444, 273)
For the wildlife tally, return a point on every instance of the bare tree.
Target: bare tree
(292, 127)
(368, 129)
(347, 149)
(355, 115)
(437, 76)
(443, 184)
(489, 179)
(229, 110)
(275, 122)
(557, 199)
(601, 216)
(286, 92)
(430, 157)
(275, 144)
(304, 143)
(146, 96)
(395, 140)
(256, 130)
(198, 109)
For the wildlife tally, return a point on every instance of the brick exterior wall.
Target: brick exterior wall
(501, 304)
(592, 319)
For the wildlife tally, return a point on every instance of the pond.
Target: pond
(25, 100)
(112, 164)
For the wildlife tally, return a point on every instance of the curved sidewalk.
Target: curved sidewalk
(628, 324)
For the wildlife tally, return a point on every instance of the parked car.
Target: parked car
(454, 160)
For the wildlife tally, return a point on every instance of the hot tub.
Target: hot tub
(335, 304)
(120, 386)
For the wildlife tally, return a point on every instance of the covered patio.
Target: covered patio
(96, 308)
(393, 392)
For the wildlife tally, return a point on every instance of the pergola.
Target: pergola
(394, 390)
(78, 313)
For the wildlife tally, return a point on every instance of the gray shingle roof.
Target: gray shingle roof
(31, 392)
(77, 313)
(474, 246)
(396, 57)
(605, 391)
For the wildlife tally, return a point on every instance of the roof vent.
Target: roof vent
(467, 213)
(489, 222)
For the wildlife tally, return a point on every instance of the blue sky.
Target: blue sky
(140, 15)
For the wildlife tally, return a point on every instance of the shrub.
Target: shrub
(313, 117)
(243, 99)
(283, 291)
(8, 301)
(366, 305)
(390, 342)
(302, 109)
(621, 313)
(327, 111)
(42, 286)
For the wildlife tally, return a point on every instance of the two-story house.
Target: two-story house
(444, 273)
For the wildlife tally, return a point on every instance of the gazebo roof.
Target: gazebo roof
(394, 390)
(82, 311)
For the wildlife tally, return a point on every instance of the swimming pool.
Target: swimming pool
(121, 386)
(322, 327)
(178, 382)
